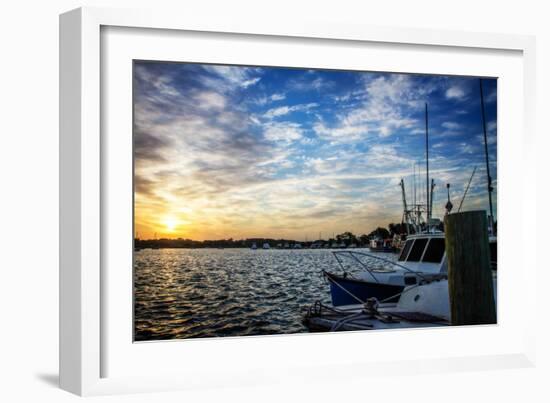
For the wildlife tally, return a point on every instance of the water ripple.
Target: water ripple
(184, 293)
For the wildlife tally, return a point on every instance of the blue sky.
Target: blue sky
(230, 151)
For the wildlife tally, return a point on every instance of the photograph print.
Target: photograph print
(277, 200)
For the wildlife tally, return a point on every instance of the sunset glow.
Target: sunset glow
(241, 152)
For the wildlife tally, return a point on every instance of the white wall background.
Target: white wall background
(29, 196)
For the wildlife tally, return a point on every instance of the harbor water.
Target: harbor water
(191, 293)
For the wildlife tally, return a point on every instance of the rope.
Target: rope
(337, 325)
(346, 291)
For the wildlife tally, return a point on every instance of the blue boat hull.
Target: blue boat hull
(362, 289)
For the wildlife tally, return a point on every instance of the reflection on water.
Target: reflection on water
(182, 293)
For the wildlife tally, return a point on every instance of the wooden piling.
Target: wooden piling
(470, 278)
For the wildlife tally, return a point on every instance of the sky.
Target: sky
(242, 152)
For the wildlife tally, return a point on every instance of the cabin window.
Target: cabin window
(435, 251)
(417, 249)
(405, 250)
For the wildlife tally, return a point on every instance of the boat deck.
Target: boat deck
(328, 319)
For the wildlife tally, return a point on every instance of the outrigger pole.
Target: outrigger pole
(428, 212)
(432, 196)
(489, 180)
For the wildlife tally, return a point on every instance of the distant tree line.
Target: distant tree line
(347, 238)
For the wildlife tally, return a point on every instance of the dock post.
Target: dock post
(470, 279)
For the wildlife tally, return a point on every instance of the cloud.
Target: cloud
(450, 125)
(282, 131)
(310, 81)
(383, 110)
(455, 92)
(342, 133)
(237, 152)
(277, 97)
(210, 100)
(148, 147)
(229, 78)
(263, 100)
(284, 110)
(248, 83)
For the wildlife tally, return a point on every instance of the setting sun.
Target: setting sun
(170, 223)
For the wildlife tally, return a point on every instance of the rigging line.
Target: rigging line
(467, 188)
(346, 291)
(379, 258)
(489, 179)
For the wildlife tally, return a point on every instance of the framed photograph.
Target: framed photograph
(258, 204)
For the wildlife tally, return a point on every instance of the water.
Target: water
(183, 293)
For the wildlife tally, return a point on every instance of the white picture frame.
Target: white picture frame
(83, 177)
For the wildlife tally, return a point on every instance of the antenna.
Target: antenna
(489, 180)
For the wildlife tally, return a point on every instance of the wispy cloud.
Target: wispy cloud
(284, 110)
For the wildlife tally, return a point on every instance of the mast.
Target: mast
(405, 210)
(489, 180)
(414, 184)
(428, 212)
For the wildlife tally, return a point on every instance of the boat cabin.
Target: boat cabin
(424, 252)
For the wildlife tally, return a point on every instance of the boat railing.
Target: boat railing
(354, 255)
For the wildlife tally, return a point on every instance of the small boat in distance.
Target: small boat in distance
(254, 247)
(382, 245)
(266, 246)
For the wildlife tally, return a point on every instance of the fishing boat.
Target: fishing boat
(422, 257)
(382, 245)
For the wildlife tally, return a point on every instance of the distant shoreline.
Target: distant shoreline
(343, 240)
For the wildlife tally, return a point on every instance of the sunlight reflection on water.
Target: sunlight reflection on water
(183, 293)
